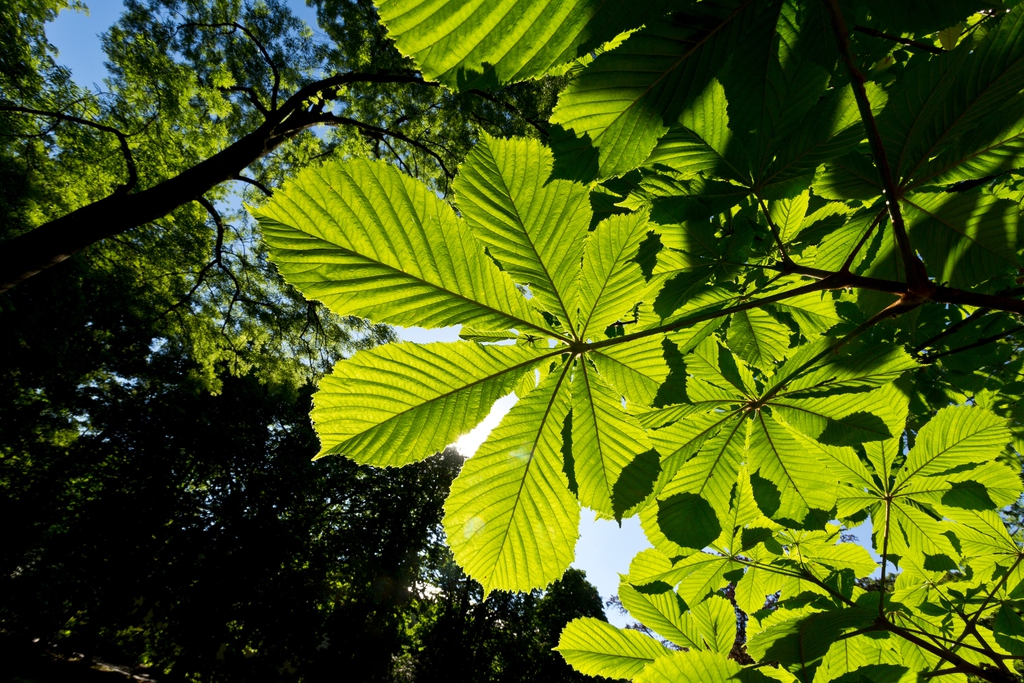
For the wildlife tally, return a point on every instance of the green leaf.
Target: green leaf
(937, 100)
(788, 215)
(651, 566)
(1009, 630)
(688, 520)
(845, 419)
(486, 336)
(922, 16)
(814, 312)
(802, 482)
(627, 98)
(636, 368)
(534, 230)
(800, 643)
(597, 648)
(700, 144)
(716, 621)
(664, 613)
(605, 439)
(367, 240)
(985, 151)
(851, 176)
(401, 403)
(757, 337)
(831, 129)
(775, 78)
(965, 238)
(852, 659)
(957, 437)
(611, 282)
(706, 667)
(510, 519)
(469, 44)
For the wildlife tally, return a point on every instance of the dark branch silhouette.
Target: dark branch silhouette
(54, 241)
(133, 174)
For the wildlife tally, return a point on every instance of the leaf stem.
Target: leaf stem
(979, 343)
(984, 605)
(786, 260)
(917, 277)
(848, 263)
(899, 39)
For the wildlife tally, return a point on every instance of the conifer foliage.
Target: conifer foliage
(732, 291)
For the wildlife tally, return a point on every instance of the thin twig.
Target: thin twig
(899, 39)
(334, 119)
(129, 160)
(218, 249)
(255, 183)
(234, 26)
(848, 263)
(980, 342)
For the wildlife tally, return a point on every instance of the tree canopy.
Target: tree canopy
(760, 284)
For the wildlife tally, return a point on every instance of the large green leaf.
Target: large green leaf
(597, 648)
(920, 16)
(628, 97)
(401, 403)
(469, 44)
(636, 368)
(605, 439)
(665, 613)
(369, 241)
(957, 437)
(706, 667)
(510, 519)
(940, 99)
(800, 643)
(965, 238)
(757, 337)
(611, 282)
(830, 130)
(535, 231)
(715, 620)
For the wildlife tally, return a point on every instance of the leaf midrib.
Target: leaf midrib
(533, 451)
(446, 394)
(529, 239)
(697, 45)
(332, 247)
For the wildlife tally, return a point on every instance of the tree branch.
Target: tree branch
(234, 26)
(129, 160)
(917, 277)
(510, 108)
(899, 39)
(334, 119)
(255, 183)
(250, 94)
(52, 242)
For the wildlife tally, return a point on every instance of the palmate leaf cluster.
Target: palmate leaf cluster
(757, 288)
